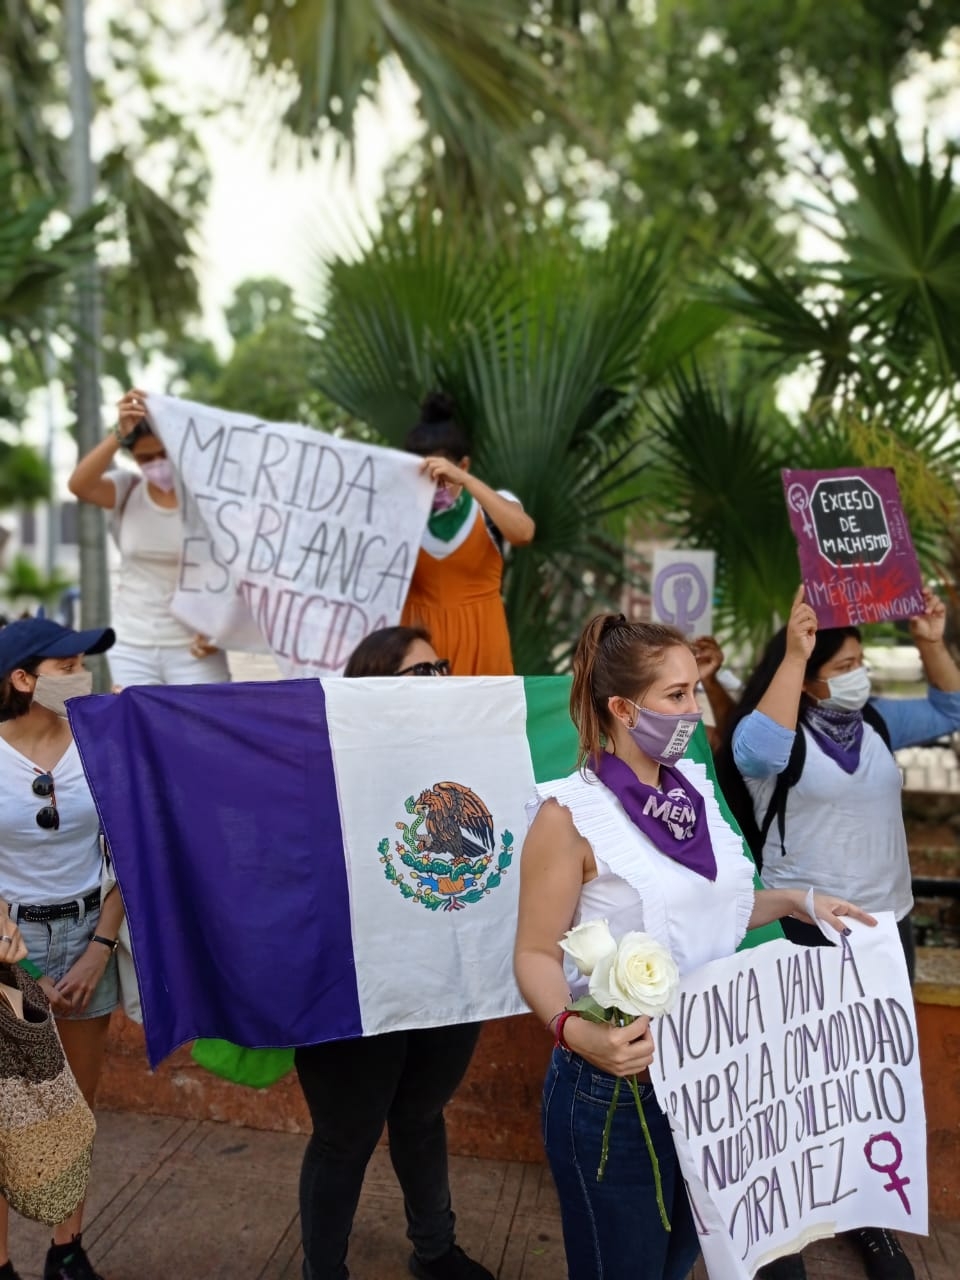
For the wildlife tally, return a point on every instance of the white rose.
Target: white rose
(588, 944)
(640, 978)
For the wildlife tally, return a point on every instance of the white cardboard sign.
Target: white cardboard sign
(791, 1079)
(295, 542)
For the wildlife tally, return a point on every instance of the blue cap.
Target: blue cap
(44, 638)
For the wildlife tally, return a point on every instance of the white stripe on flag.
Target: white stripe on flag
(445, 956)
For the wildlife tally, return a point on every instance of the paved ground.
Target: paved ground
(181, 1200)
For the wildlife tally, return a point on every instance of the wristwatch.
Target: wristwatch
(112, 943)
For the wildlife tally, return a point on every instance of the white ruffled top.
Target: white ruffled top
(639, 888)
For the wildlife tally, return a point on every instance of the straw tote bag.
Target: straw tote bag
(46, 1127)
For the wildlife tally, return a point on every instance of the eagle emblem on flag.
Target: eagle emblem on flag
(449, 847)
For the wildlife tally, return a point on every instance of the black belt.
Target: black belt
(58, 911)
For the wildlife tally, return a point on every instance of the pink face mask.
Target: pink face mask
(159, 473)
(443, 499)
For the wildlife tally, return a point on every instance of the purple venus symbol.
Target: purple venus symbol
(896, 1183)
(685, 609)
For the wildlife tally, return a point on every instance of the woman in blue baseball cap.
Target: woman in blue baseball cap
(50, 868)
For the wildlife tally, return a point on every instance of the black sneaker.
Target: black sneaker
(883, 1256)
(452, 1265)
(788, 1268)
(7, 1272)
(69, 1262)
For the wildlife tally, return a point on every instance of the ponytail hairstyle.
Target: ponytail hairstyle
(613, 658)
(438, 432)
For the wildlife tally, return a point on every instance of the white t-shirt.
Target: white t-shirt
(150, 540)
(40, 867)
(844, 832)
(638, 887)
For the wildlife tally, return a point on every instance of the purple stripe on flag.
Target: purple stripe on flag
(231, 863)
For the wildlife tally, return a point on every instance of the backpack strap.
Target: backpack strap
(876, 722)
(495, 534)
(777, 808)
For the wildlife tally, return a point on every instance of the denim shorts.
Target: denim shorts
(55, 946)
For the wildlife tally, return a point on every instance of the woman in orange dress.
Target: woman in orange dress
(455, 590)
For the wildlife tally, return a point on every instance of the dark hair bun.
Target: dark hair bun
(437, 406)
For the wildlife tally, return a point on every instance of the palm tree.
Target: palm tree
(875, 329)
(545, 347)
(480, 83)
(35, 270)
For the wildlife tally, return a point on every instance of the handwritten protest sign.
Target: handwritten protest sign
(791, 1080)
(295, 541)
(856, 557)
(681, 590)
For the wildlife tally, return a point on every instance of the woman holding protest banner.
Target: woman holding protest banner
(455, 590)
(401, 1079)
(635, 840)
(50, 870)
(809, 771)
(153, 646)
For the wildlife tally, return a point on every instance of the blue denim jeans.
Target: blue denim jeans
(612, 1229)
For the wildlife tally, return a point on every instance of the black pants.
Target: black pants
(353, 1087)
(808, 935)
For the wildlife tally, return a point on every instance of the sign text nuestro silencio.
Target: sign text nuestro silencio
(856, 556)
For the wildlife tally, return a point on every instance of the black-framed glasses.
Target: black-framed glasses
(439, 668)
(49, 816)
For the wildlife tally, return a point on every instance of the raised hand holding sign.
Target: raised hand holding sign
(856, 557)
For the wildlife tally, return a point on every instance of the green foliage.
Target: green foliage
(35, 264)
(544, 346)
(269, 372)
(878, 324)
(24, 582)
(151, 185)
(479, 86)
(24, 476)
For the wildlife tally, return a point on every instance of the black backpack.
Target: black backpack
(741, 802)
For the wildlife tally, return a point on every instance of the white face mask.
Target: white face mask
(849, 692)
(52, 692)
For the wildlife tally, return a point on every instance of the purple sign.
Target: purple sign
(856, 557)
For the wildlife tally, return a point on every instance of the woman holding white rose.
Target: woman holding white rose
(634, 840)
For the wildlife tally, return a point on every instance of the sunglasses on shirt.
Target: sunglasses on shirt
(49, 816)
(439, 668)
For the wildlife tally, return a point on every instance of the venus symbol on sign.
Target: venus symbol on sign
(797, 498)
(686, 608)
(896, 1183)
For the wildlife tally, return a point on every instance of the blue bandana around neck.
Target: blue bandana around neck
(838, 734)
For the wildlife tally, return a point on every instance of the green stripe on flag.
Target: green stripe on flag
(550, 731)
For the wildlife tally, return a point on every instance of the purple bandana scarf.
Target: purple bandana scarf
(839, 734)
(674, 818)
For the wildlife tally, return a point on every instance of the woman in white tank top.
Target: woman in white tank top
(636, 836)
(153, 645)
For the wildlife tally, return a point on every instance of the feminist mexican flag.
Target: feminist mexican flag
(311, 860)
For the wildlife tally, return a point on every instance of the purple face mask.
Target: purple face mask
(663, 737)
(443, 499)
(159, 473)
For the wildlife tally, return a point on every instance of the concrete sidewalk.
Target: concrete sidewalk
(186, 1200)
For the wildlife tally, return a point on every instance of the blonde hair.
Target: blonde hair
(613, 658)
